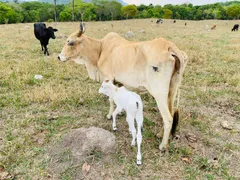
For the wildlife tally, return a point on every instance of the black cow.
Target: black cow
(174, 21)
(159, 21)
(235, 27)
(43, 34)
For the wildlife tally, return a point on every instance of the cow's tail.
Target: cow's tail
(180, 63)
(175, 122)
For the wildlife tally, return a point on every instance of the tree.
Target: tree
(167, 14)
(233, 11)
(129, 11)
(113, 9)
(156, 11)
(99, 10)
(65, 16)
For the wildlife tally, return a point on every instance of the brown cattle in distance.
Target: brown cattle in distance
(156, 65)
(214, 26)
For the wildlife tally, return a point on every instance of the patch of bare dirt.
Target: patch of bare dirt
(77, 146)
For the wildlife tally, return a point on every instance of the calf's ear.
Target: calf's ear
(55, 30)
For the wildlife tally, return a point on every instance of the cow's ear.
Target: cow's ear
(55, 30)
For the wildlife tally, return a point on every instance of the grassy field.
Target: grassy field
(36, 113)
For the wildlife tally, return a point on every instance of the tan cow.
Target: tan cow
(157, 65)
(213, 27)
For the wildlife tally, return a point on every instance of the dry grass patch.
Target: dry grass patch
(36, 113)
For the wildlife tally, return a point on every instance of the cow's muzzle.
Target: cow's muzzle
(61, 57)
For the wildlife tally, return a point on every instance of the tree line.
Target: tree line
(103, 10)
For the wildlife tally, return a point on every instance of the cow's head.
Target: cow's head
(76, 47)
(50, 31)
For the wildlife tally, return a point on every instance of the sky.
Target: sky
(174, 2)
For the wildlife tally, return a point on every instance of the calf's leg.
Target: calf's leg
(109, 116)
(132, 128)
(139, 119)
(114, 114)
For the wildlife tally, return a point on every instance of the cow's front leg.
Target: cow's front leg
(109, 116)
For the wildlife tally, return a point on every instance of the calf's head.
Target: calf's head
(106, 88)
(50, 31)
(76, 47)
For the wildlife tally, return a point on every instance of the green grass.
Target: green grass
(37, 113)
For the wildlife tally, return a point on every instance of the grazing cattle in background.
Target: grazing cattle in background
(174, 21)
(43, 34)
(159, 21)
(185, 24)
(156, 65)
(235, 27)
(214, 26)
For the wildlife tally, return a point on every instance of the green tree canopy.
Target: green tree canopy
(233, 11)
(129, 11)
(167, 14)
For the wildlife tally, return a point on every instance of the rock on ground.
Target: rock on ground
(76, 146)
(129, 34)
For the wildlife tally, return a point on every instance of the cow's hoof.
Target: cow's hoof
(163, 150)
(114, 128)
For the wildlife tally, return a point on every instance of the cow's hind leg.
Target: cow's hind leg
(167, 119)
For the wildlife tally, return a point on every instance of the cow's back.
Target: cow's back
(39, 30)
(128, 61)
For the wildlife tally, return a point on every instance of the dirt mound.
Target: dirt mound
(78, 145)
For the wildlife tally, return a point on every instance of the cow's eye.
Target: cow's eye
(70, 43)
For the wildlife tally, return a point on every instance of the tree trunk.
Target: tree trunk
(55, 11)
(82, 14)
(72, 10)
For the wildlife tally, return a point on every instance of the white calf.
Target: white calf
(132, 104)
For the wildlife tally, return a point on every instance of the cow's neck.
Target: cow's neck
(95, 50)
(93, 57)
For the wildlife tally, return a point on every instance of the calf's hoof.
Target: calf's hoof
(109, 117)
(114, 128)
(139, 162)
